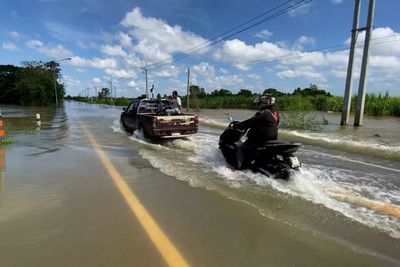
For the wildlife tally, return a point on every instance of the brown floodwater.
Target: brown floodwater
(59, 205)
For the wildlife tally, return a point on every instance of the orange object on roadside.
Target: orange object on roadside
(2, 132)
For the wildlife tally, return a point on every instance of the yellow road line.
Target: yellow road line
(166, 248)
(367, 203)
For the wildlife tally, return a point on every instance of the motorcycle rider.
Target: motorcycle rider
(263, 127)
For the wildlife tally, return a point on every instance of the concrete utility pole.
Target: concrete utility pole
(188, 89)
(349, 79)
(358, 120)
(55, 79)
(111, 89)
(144, 69)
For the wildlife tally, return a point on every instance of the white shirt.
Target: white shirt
(177, 103)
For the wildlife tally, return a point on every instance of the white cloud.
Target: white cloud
(301, 10)
(79, 62)
(9, 46)
(103, 63)
(237, 51)
(54, 52)
(157, 40)
(205, 74)
(254, 76)
(120, 73)
(113, 51)
(125, 40)
(132, 84)
(15, 34)
(305, 72)
(96, 80)
(264, 34)
(302, 41)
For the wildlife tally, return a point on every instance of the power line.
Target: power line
(219, 38)
(303, 53)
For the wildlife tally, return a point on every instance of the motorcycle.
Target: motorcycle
(273, 158)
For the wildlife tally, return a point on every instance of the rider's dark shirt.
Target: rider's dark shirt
(263, 126)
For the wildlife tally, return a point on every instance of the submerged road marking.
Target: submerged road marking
(166, 248)
(345, 196)
(356, 161)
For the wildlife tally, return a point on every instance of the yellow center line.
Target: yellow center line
(367, 203)
(166, 248)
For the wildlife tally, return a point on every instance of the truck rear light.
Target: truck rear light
(196, 119)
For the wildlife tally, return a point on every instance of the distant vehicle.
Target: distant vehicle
(156, 119)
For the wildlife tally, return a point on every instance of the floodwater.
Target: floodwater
(59, 206)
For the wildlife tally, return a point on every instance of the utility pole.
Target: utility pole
(111, 89)
(144, 69)
(358, 120)
(188, 89)
(349, 79)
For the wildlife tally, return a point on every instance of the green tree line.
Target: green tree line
(32, 84)
(301, 99)
(307, 99)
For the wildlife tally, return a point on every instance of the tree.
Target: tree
(273, 91)
(221, 92)
(104, 93)
(311, 91)
(245, 93)
(196, 90)
(8, 78)
(32, 84)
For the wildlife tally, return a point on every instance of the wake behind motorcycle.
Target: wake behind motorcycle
(273, 158)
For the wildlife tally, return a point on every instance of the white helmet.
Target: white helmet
(265, 101)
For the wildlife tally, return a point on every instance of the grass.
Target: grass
(375, 104)
(6, 141)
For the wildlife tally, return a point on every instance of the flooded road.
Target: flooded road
(60, 204)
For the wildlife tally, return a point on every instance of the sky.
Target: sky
(229, 44)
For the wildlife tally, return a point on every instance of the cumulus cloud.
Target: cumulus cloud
(237, 51)
(302, 41)
(301, 10)
(157, 40)
(264, 34)
(15, 34)
(205, 74)
(9, 46)
(55, 52)
(306, 72)
(113, 50)
(96, 80)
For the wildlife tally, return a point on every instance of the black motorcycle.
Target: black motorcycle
(273, 159)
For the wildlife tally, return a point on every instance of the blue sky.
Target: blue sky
(113, 39)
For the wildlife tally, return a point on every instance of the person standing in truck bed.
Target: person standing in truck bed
(176, 102)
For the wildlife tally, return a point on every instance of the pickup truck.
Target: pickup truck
(157, 120)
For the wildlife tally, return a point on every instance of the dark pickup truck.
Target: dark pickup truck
(157, 120)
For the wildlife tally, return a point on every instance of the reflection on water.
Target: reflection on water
(2, 166)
